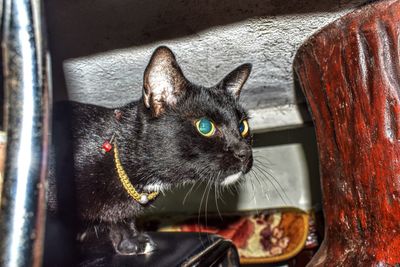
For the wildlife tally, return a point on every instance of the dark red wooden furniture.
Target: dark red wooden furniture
(350, 74)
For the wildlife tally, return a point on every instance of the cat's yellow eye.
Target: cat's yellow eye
(244, 128)
(205, 127)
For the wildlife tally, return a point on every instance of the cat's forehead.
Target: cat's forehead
(213, 104)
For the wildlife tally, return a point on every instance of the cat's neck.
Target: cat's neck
(132, 139)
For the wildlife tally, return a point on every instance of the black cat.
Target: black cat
(177, 133)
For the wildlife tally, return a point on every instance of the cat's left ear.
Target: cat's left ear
(163, 81)
(234, 81)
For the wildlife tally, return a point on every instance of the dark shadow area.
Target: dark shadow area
(174, 249)
(87, 27)
(62, 219)
(301, 100)
(309, 143)
(199, 201)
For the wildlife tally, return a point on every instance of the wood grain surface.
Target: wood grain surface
(349, 72)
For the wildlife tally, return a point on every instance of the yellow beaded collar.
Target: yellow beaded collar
(142, 198)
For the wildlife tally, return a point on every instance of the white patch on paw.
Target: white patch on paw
(231, 179)
(149, 248)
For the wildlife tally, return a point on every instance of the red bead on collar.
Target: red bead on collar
(106, 147)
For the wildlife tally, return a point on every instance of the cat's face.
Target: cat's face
(195, 133)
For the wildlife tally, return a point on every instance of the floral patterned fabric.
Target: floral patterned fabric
(266, 237)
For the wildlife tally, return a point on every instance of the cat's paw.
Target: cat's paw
(135, 245)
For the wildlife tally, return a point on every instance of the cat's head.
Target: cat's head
(194, 132)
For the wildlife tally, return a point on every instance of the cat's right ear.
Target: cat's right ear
(163, 81)
(234, 81)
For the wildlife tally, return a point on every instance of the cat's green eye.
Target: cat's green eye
(205, 127)
(244, 128)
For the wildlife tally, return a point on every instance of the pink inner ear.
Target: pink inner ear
(234, 87)
(234, 81)
(163, 81)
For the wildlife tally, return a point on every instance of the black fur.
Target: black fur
(157, 144)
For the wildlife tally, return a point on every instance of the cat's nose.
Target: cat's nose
(243, 152)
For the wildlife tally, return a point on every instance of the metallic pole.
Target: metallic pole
(22, 210)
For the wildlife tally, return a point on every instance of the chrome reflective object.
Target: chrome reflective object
(27, 101)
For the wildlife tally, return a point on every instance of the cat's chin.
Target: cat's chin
(157, 187)
(231, 179)
(162, 187)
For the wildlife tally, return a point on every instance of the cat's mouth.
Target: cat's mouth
(233, 178)
(228, 180)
